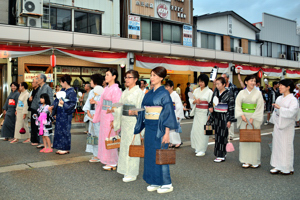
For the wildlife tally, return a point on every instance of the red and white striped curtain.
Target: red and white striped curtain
(12, 51)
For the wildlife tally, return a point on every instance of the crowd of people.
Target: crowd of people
(153, 116)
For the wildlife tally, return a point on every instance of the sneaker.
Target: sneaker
(164, 189)
(266, 123)
(129, 178)
(200, 153)
(219, 159)
(152, 188)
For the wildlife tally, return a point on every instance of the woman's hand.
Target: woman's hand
(4, 112)
(50, 108)
(132, 112)
(24, 116)
(244, 118)
(276, 106)
(211, 110)
(89, 114)
(112, 124)
(110, 111)
(166, 137)
(228, 124)
(16, 113)
(92, 101)
(30, 98)
(251, 121)
(61, 102)
(195, 101)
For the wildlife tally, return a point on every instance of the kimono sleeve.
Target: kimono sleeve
(117, 93)
(230, 113)
(238, 105)
(98, 110)
(70, 105)
(258, 114)
(16, 98)
(5, 107)
(55, 105)
(50, 93)
(179, 107)
(118, 115)
(167, 118)
(25, 108)
(87, 105)
(291, 111)
(140, 121)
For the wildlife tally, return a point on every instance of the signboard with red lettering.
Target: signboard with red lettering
(162, 10)
(28, 77)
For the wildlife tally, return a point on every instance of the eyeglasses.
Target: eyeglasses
(127, 77)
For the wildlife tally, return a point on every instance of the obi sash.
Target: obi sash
(221, 107)
(20, 104)
(11, 102)
(152, 112)
(106, 104)
(126, 108)
(202, 105)
(248, 107)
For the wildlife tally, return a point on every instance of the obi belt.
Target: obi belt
(106, 104)
(126, 108)
(152, 112)
(221, 107)
(248, 107)
(202, 105)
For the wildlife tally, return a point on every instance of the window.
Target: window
(60, 19)
(176, 34)
(232, 44)
(249, 47)
(269, 49)
(208, 41)
(279, 49)
(156, 31)
(167, 33)
(146, 30)
(171, 33)
(87, 23)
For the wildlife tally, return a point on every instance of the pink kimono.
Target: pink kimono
(111, 94)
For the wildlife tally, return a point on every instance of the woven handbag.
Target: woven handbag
(112, 142)
(91, 139)
(250, 135)
(165, 156)
(137, 150)
(209, 129)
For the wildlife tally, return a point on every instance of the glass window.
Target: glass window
(204, 40)
(167, 33)
(156, 31)
(279, 49)
(53, 18)
(211, 42)
(232, 44)
(81, 22)
(146, 30)
(269, 49)
(176, 34)
(60, 19)
(94, 24)
(249, 47)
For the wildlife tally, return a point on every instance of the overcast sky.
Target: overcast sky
(251, 10)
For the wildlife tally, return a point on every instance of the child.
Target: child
(44, 122)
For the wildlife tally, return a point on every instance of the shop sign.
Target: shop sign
(66, 69)
(75, 69)
(28, 77)
(162, 10)
(4, 54)
(170, 71)
(178, 9)
(229, 25)
(187, 35)
(134, 27)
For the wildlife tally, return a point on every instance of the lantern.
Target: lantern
(53, 60)
(260, 74)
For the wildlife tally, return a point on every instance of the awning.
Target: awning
(272, 72)
(178, 65)
(97, 57)
(11, 51)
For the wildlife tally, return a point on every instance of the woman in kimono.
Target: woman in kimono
(9, 109)
(131, 98)
(21, 115)
(221, 107)
(199, 104)
(175, 140)
(249, 105)
(111, 94)
(284, 116)
(94, 128)
(63, 109)
(157, 119)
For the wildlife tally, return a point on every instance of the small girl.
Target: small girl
(44, 122)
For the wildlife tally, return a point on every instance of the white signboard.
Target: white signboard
(187, 35)
(134, 27)
(28, 77)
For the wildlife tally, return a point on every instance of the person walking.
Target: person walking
(86, 98)
(221, 108)
(21, 115)
(131, 98)
(94, 128)
(186, 92)
(112, 94)
(9, 110)
(283, 117)
(175, 140)
(44, 88)
(249, 106)
(273, 94)
(202, 96)
(64, 109)
(158, 118)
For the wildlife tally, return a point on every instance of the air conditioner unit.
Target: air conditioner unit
(32, 7)
(34, 22)
(239, 49)
(282, 56)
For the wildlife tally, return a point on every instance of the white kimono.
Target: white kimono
(282, 157)
(128, 165)
(94, 128)
(199, 141)
(250, 152)
(178, 108)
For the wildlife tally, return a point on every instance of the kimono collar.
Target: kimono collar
(204, 89)
(158, 89)
(112, 86)
(288, 96)
(133, 89)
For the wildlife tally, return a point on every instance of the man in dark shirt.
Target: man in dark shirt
(187, 90)
(35, 88)
(273, 93)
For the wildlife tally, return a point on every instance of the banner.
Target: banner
(11, 51)
(134, 27)
(28, 77)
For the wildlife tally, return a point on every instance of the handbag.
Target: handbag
(137, 150)
(91, 139)
(165, 156)
(250, 135)
(112, 142)
(22, 130)
(209, 129)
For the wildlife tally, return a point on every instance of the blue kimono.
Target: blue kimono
(154, 131)
(62, 136)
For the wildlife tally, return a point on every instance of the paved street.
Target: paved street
(27, 174)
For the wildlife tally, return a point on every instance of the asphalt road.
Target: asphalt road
(27, 174)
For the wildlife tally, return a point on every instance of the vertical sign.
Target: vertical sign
(229, 25)
(187, 35)
(134, 27)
